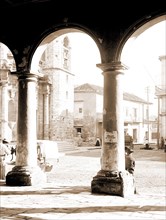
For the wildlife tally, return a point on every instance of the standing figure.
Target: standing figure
(146, 143)
(4, 151)
(130, 163)
(162, 143)
(98, 143)
(13, 152)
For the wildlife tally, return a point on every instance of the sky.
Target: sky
(84, 57)
(142, 58)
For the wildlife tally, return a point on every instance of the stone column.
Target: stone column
(4, 110)
(112, 178)
(46, 112)
(26, 172)
(163, 97)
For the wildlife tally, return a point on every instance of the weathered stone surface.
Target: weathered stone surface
(25, 176)
(113, 183)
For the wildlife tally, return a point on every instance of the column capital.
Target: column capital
(27, 74)
(115, 66)
(3, 83)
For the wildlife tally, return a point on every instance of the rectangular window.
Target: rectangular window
(66, 94)
(67, 112)
(78, 130)
(67, 78)
(135, 113)
(127, 112)
(147, 114)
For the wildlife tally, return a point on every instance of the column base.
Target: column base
(25, 176)
(113, 183)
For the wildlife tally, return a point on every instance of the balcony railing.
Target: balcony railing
(132, 119)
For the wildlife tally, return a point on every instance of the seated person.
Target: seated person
(129, 160)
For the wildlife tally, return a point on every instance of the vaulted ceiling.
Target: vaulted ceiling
(26, 22)
(16, 3)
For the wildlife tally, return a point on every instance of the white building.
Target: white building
(88, 111)
(161, 95)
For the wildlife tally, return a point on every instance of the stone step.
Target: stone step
(64, 146)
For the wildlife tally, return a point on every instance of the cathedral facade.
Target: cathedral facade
(54, 93)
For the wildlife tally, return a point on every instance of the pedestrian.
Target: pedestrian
(165, 145)
(146, 143)
(98, 143)
(162, 143)
(4, 151)
(129, 160)
(13, 152)
(130, 164)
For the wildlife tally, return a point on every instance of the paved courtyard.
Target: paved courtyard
(67, 193)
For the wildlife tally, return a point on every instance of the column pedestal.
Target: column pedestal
(113, 183)
(25, 176)
(113, 179)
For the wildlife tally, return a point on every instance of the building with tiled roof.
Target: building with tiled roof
(63, 110)
(133, 98)
(88, 110)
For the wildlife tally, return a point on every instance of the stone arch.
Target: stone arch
(140, 67)
(50, 36)
(7, 57)
(7, 91)
(47, 129)
(137, 29)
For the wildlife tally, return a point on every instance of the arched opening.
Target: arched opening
(8, 94)
(141, 54)
(46, 83)
(69, 89)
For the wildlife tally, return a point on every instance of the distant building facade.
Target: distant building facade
(88, 107)
(56, 92)
(161, 96)
(8, 95)
(63, 110)
(88, 110)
